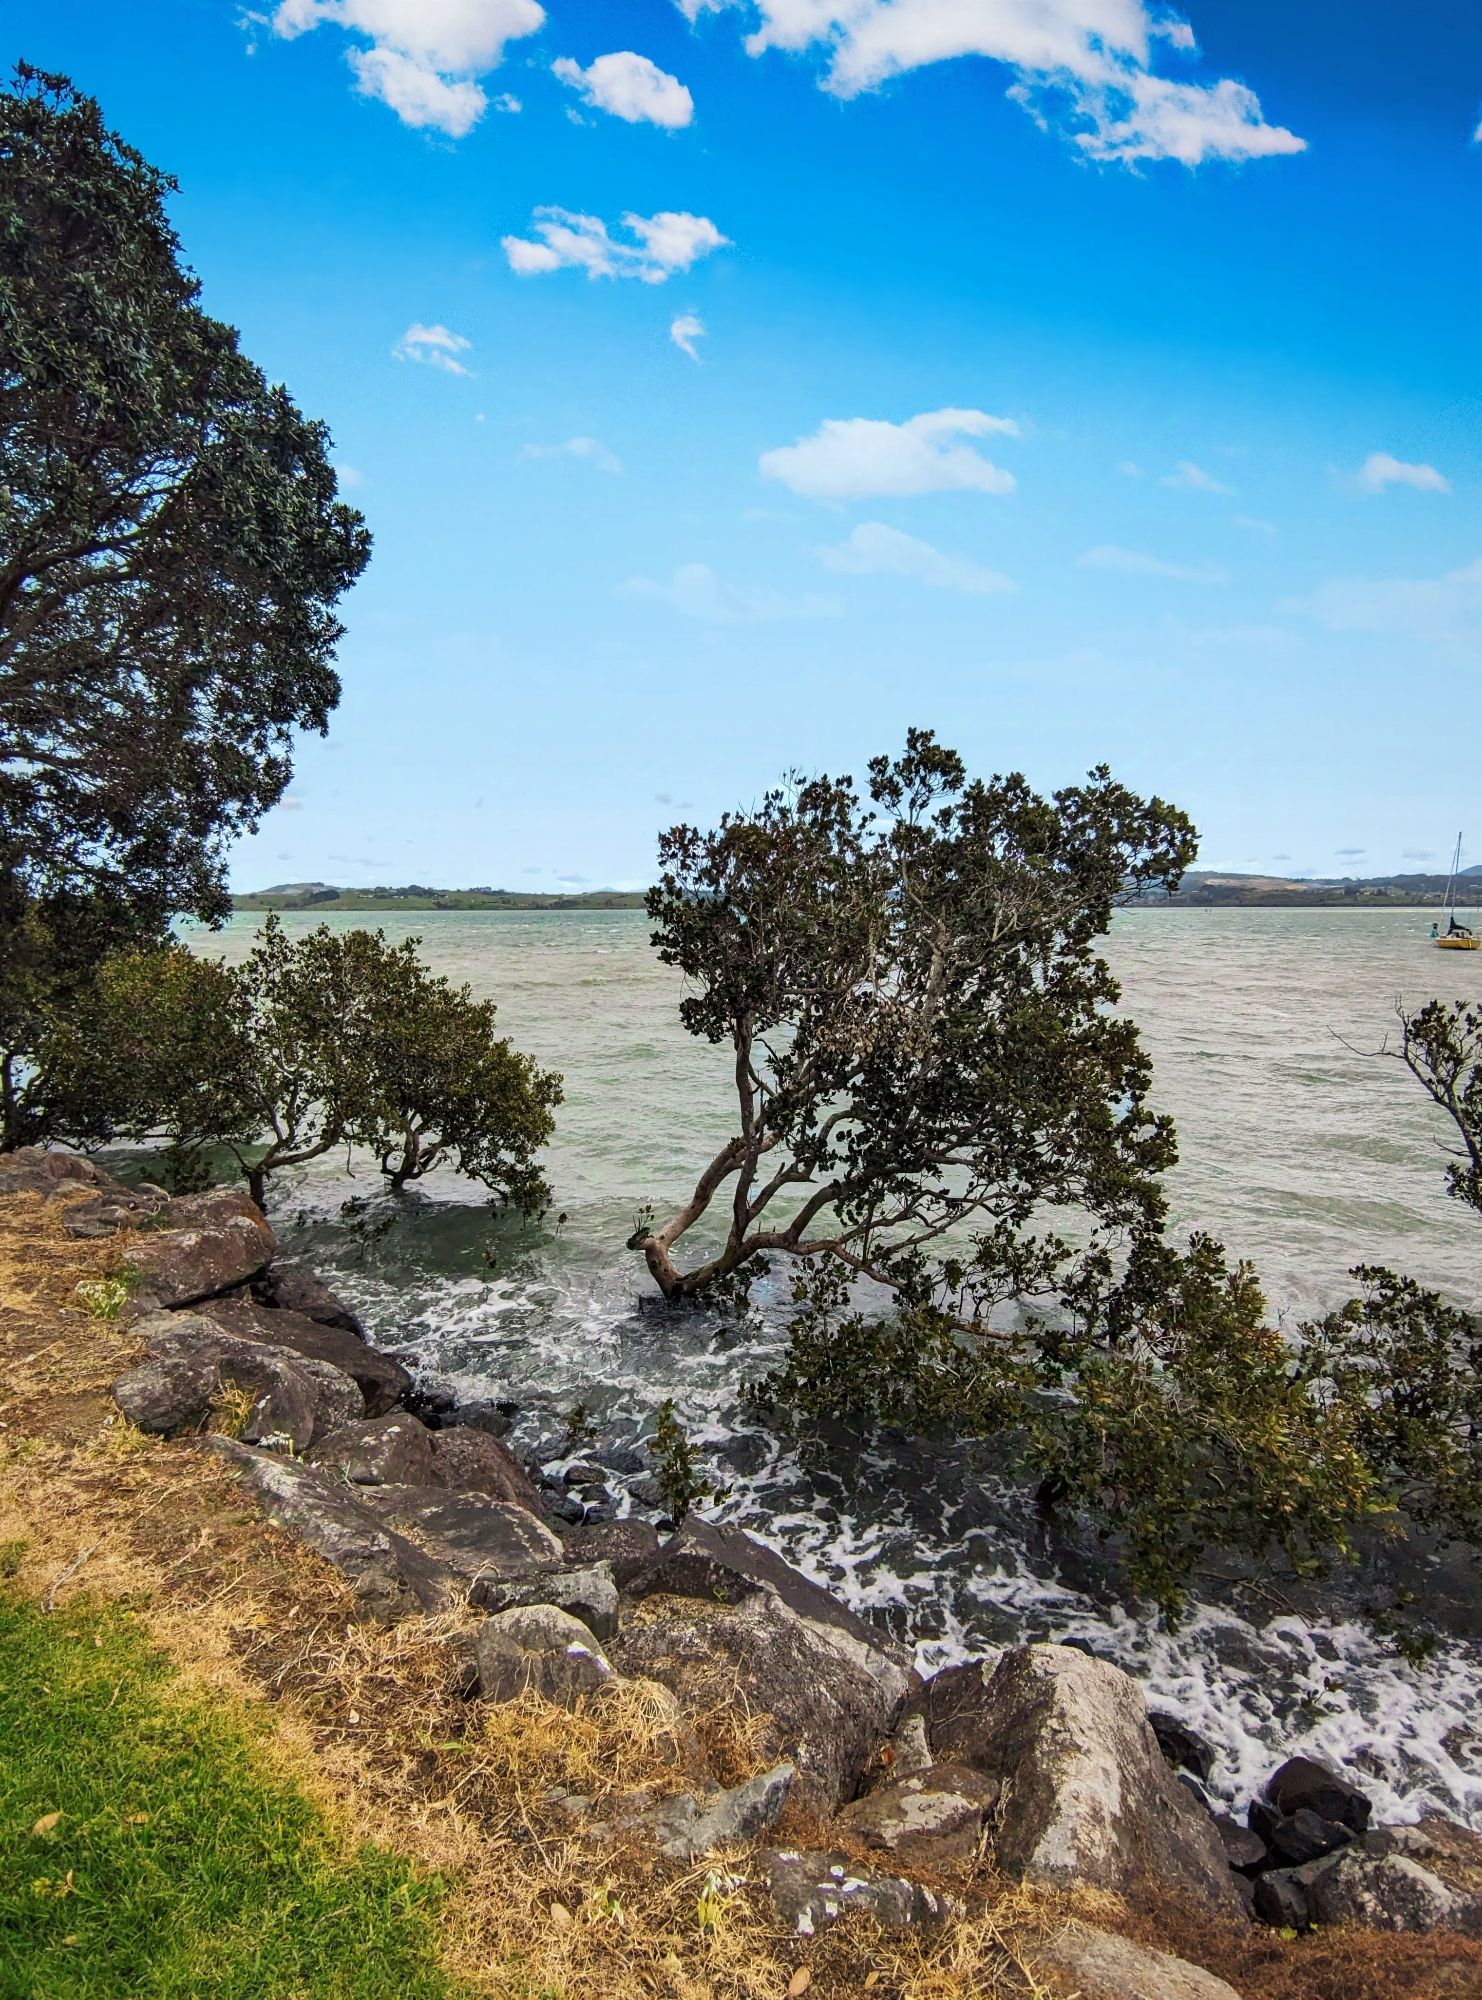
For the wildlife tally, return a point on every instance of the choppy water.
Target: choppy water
(1299, 1149)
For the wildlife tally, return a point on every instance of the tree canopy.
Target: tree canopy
(334, 1040)
(921, 1024)
(172, 546)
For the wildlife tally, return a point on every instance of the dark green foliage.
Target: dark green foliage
(180, 1864)
(1441, 1046)
(920, 1021)
(676, 1467)
(171, 543)
(336, 1040)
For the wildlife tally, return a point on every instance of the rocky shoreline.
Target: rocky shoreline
(1041, 1761)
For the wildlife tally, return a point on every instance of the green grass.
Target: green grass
(183, 1866)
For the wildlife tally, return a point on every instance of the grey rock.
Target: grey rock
(1281, 1900)
(1390, 1892)
(1304, 1782)
(484, 1543)
(1098, 1965)
(1306, 1836)
(1088, 1800)
(630, 1548)
(290, 1288)
(934, 1816)
(624, 1459)
(35, 1170)
(582, 1475)
(686, 1827)
(383, 1382)
(389, 1575)
(812, 1890)
(588, 1594)
(201, 1244)
(379, 1451)
(830, 1695)
(725, 1566)
(1243, 1848)
(1453, 1852)
(1185, 1748)
(471, 1461)
(295, 1399)
(539, 1648)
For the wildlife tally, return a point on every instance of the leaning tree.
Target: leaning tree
(920, 1023)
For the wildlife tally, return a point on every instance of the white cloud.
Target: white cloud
(684, 330)
(1130, 469)
(1090, 59)
(631, 88)
(349, 476)
(591, 449)
(1445, 611)
(698, 592)
(862, 458)
(424, 56)
(874, 548)
(1186, 477)
(1380, 470)
(1254, 523)
(1130, 562)
(436, 346)
(507, 101)
(670, 241)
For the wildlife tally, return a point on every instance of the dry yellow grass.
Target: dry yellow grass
(373, 1723)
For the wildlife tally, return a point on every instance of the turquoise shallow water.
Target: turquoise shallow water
(1299, 1147)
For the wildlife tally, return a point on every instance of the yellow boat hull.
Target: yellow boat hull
(1458, 944)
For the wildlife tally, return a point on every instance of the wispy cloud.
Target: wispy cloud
(1379, 471)
(1084, 66)
(630, 87)
(591, 449)
(1186, 477)
(697, 592)
(874, 549)
(1254, 524)
(662, 244)
(684, 330)
(865, 458)
(1132, 562)
(435, 347)
(1443, 611)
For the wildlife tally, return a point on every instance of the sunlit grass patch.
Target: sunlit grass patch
(149, 1846)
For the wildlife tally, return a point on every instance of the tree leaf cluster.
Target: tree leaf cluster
(334, 1040)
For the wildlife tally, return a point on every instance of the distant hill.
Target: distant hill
(1203, 888)
(415, 896)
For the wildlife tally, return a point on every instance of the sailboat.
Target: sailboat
(1455, 937)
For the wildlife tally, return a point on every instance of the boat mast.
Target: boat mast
(1450, 905)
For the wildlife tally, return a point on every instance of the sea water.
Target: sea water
(1302, 1147)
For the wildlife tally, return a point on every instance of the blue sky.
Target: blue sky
(1084, 381)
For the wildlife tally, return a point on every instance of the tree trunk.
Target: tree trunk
(257, 1187)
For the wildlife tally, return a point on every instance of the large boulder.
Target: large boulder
(1302, 1784)
(470, 1461)
(933, 1817)
(290, 1288)
(588, 1594)
(811, 1890)
(541, 1649)
(382, 1380)
(193, 1361)
(630, 1548)
(378, 1451)
(199, 1245)
(821, 1699)
(1390, 1892)
(1088, 1800)
(1098, 1965)
(482, 1544)
(388, 1574)
(34, 1170)
(1453, 1852)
